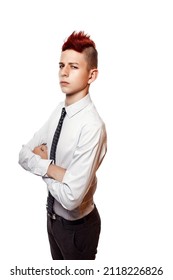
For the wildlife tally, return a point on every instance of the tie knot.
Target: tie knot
(63, 112)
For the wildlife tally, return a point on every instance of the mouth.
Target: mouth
(64, 83)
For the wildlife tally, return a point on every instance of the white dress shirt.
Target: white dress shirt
(80, 150)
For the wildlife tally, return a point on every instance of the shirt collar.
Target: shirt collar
(78, 106)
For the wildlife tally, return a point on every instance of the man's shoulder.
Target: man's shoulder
(92, 117)
(92, 122)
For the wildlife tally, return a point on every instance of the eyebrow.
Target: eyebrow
(70, 63)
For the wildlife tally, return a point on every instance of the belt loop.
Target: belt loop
(52, 216)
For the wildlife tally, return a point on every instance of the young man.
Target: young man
(68, 164)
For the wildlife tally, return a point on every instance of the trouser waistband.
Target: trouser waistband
(74, 222)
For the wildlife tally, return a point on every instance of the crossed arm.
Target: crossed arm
(55, 172)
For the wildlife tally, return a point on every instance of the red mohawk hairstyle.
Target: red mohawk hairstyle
(80, 42)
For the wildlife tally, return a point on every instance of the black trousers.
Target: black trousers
(74, 240)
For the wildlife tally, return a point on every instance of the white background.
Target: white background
(133, 94)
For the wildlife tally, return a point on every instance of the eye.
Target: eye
(61, 66)
(74, 67)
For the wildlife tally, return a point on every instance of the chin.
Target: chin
(67, 93)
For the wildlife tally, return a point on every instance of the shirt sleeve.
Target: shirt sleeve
(30, 161)
(87, 157)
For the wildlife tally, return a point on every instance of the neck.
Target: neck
(72, 98)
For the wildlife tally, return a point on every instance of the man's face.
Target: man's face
(73, 72)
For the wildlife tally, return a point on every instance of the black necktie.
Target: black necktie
(50, 199)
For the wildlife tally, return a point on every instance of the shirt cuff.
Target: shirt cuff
(42, 167)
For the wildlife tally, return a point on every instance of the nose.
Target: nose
(64, 72)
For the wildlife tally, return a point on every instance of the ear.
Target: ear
(93, 73)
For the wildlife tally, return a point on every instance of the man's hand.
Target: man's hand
(55, 172)
(41, 151)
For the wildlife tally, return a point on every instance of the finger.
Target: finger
(44, 148)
